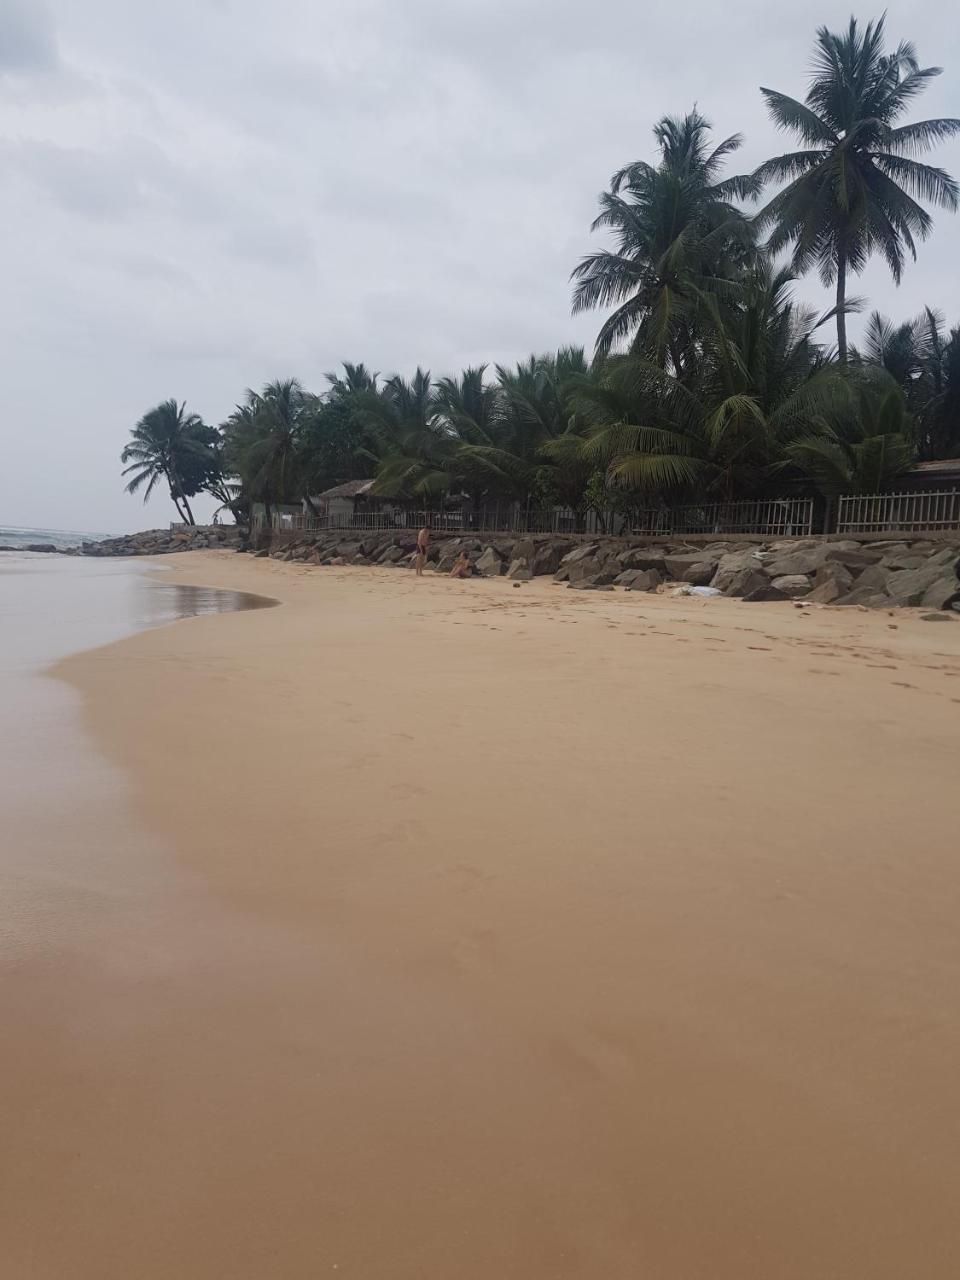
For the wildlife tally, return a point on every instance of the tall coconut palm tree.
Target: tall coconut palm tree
(863, 443)
(263, 441)
(172, 445)
(760, 380)
(677, 234)
(851, 192)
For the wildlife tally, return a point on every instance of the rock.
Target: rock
(832, 571)
(865, 598)
(764, 594)
(520, 570)
(583, 552)
(489, 564)
(561, 575)
(852, 554)
(909, 586)
(797, 562)
(45, 547)
(391, 555)
(947, 556)
(700, 575)
(827, 592)
(942, 594)
(590, 567)
(643, 558)
(638, 579)
(792, 585)
(547, 559)
(731, 565)
(259, 555)
(936, 617)
(589, 584)
(744, 582)
(677, 565)
(902, 558)
(875, 576)
(525, 550)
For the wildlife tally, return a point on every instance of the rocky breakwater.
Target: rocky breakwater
(893, 573)
(162, 542)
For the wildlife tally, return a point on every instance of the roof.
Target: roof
(351, 489)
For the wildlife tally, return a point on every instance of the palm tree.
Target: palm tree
(262, 441)
(851, 192)
(924, 360)
(760, 379)
(172, 445)
(863, 443)
(678, 234)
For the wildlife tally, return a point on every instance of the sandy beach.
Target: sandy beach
(458, 930)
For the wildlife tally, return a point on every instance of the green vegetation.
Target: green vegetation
(709, 380)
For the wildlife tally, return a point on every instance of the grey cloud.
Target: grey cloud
(203, 194)
(27, 38)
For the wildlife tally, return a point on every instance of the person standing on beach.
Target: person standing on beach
(423, 543)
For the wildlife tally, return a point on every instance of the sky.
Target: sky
(202, 195)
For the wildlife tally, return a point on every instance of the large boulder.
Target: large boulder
(590, 567)
(805, 561)
(828, 591)
(942, 593)
(765, 593)
(902, 557)
(525, 550)
(700, 574)
(792, 585)
(638, 579)
(391, 555)
(854, 555)
(520, 570)
(733, 564)
(643, 558)
(909, 586)
(583, 552)
(546, 559)
(835, 573)
(744, 582)
(677, 566)
(489, 564)
(876, 577)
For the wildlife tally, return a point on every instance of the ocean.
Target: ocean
(19, 539)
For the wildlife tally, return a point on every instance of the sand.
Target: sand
(464, 931)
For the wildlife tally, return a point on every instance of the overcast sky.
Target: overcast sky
(201, 195)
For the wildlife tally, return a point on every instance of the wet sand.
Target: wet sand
(455, 930)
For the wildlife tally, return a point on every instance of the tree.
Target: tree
(851, 192)
(172, 445)
(678, 235)
(864, 441)
(759, 380)
(263, 438)
(924, 360)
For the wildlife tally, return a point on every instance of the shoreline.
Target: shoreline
(532, 933)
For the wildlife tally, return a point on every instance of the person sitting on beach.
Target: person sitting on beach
(461, 566)
(423, 543)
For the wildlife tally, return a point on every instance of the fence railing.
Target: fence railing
(920, 512)
(899, 512)
(771, 517)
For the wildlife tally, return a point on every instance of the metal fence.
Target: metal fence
(899, 512)
(770, 517)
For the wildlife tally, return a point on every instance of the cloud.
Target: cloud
(202, 196)
(28, 41)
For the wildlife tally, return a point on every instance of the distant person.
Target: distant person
(423, 545)
(461, 566)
